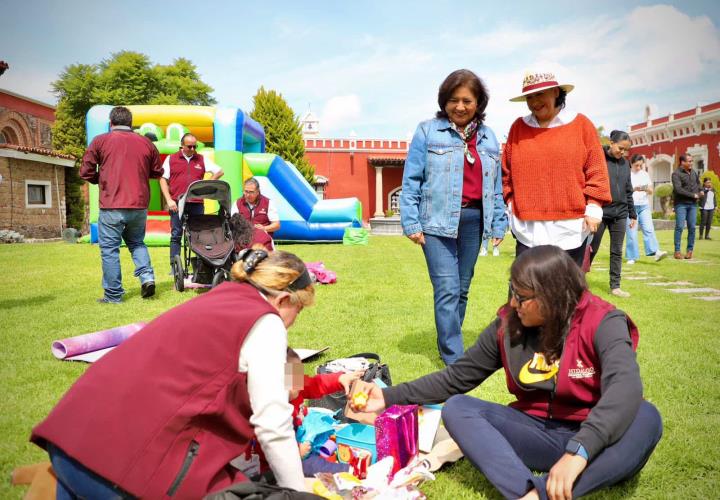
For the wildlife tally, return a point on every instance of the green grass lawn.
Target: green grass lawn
(382, 302)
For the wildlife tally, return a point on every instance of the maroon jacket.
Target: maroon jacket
(259, 215)
(577, 389)
(183, 173)
(167, 401)
(121, 162)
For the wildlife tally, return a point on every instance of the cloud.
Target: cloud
(618, 64)
(338, 112)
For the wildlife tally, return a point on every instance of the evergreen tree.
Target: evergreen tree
(283, 134)
(125, 78)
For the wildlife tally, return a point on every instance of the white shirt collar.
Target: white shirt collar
(562, 118)
(188, 158)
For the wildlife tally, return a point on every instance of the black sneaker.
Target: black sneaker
(147, 289)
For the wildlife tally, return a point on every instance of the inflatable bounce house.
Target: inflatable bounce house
(235, 142)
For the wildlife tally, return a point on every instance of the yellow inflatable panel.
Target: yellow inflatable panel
(163, 114)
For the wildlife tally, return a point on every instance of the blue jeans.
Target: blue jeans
(506, 444)
(685, 212)
(644, 220)
(75, 481)
(114, 226)
(451, 265)
(176, 227)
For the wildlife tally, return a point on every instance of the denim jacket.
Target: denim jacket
(433, 181)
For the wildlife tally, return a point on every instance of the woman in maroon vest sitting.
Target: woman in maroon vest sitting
(569, 359)
(165, 412)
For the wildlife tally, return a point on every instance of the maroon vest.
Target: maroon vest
(183, 173)
(168, 401)
(259, 215)
(577, 389)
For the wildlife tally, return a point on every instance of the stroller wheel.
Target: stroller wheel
(178, 273)
(218, 278)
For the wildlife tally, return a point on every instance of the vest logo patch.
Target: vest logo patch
(537, 370)
(198, 167)
(581, 371)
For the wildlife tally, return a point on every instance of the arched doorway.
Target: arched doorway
(660, 171)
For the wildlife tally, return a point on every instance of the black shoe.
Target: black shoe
(147, 289)
(106, 301)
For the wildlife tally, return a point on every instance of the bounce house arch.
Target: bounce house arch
(235, 142)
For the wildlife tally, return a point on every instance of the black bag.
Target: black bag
(250, 490)
(338, 400)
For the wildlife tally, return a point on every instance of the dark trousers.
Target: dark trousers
(315, 463)
(176, 226)
(506, 445)
(616, 228)
(706, 217)
(576, 254)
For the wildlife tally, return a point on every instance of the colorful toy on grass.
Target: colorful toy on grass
(235, 142)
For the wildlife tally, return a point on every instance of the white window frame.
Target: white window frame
(48, 193)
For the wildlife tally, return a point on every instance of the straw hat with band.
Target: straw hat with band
(537, 82)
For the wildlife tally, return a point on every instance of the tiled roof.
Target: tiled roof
(380, 161)
(39, 151)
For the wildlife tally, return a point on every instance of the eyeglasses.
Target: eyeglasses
(249, 192)
(518, 298)
(190, 146)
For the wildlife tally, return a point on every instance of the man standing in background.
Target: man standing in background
(121, 163)
(686, 192)
(179, 171)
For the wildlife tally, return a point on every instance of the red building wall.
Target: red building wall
(679, 133)
(344, 162)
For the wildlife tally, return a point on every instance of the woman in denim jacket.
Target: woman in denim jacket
(452, 198)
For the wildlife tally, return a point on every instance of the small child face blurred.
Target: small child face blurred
(294, 378)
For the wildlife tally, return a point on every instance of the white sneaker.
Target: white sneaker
(483, 252)
(660, 255)
(630, 262)
(496, 251)
(619, 293)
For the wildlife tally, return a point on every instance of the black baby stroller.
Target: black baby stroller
(208, 236)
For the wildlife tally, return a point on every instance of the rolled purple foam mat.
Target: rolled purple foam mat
(95, 341)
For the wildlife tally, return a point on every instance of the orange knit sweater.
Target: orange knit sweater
(553, 173)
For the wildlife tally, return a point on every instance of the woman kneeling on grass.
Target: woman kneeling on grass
(166, 411)
(569, 359)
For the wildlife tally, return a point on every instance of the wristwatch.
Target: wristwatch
(575, 448)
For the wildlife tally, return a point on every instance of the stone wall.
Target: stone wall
(14, 214)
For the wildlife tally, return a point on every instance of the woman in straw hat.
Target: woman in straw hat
(555, 178)
(166, 411)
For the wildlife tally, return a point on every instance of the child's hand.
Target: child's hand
(305, 449)
(346, 379)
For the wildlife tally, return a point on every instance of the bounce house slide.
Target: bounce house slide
(235, 142)
(302, 215)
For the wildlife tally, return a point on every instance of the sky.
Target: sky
(373, 68)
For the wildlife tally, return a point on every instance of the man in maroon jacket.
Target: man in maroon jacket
(121, 162)
(179, 171)
(257, 209)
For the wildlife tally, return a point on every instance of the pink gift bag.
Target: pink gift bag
(396, 435)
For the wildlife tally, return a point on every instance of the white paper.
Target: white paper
(428, 423)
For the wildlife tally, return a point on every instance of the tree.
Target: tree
(283, 134)
(124, 78)
(604, 139)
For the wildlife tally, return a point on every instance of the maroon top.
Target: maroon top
(472, 175)
(126, 161)
(167, 408)
(259, 214)
(184, 172)
(578, 386)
